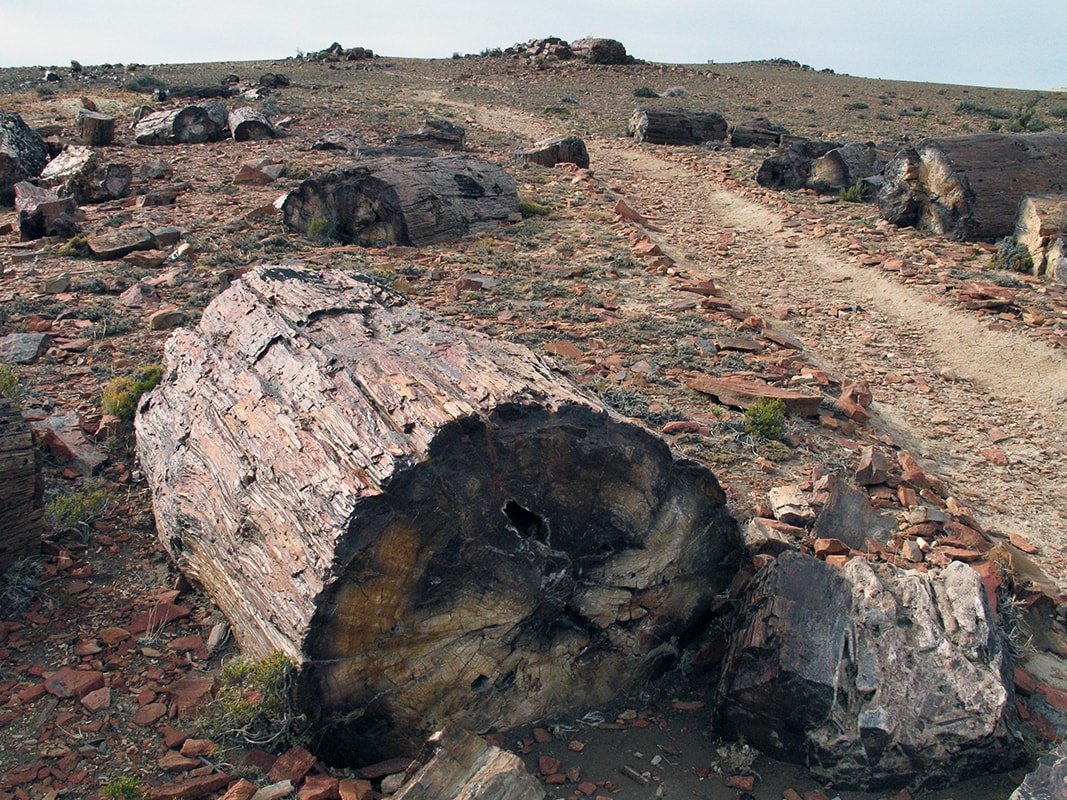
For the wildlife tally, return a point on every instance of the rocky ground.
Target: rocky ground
(657, 266)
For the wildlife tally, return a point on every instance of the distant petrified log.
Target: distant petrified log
(42, 212)
(970, 187)
(844, 166)
(676, 126)
(21, 488)
(95, 129)
(1039, 222)
(200, 92)
(557, 150)
(79, 172)
(873, 677)
(601, 51)
(189, 125)
(434, 522)
(401, 200)
(23, 155)
(347, 139)
(435, 132)
(248, 124)
(758, 132)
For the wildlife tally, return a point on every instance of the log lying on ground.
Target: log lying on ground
(189, 125)
(557, 150)
(675, 126)
(970, 187)
(758, 132)
(1039, 222)
(844, 166)
(402, 200)
(435, 523)
(78, 172)
(23, 155)
(1056, 260)
(21, 488)
(790, 167)
(873, 677)
(95, 129)
(247, 124)
(437, 133)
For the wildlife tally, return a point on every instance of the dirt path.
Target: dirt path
(946, 387)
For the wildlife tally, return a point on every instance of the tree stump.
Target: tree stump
(675, 126)
(248, 124)
(95, 129)
(1040, 220)
(435, 523)
(188, 125)
(759, 132)
(557, 150)
(401, 200)
(970, 187)
(23, 155)
(21, 488)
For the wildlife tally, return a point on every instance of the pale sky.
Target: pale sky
(973, 42)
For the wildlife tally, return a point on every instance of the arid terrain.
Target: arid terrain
(655, 265)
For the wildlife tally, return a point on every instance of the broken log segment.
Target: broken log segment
(970, 187)
(434, 522)
(742, 393)
(189, 125)
(23, 155)
(21, 488)
(557, 150)
(248, 124)
(95, 129)
(403, 200)
(790, 166)
(844, 166)
(675, 126)
(1041, 218)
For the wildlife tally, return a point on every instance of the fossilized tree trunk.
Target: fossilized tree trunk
(437, 525)
(188, 125)
(95, 129)
(675, 126)
(403, 200)
(970, 187)
(556, 150)
(21, 488)
(1039, 222)
(247, 123)
(844, 166)
(23, 155)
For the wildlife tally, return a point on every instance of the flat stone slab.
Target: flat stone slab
(742, 393)
(23, 348)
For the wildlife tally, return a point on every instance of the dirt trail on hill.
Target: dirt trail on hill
(946, 387)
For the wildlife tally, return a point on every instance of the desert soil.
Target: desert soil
(978, 396)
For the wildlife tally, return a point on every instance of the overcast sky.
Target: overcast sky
(974, 42)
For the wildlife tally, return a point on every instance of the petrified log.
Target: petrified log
(23, 155)
(601, 51)
(436, 132)
(466, 767)
(219, 114)
(78, 172)
(347, 139)
(1056, 260)
(844, 166)
(401, 200)
(434, 522)
(188, 125)
(675, 126)
(95, 129)
(1048, 778)
(557, 150)
(1040, 220)
(201, 92)
(970, 187)
(42, 212)
(247, 124)
(872, 676)
(758, 132)
(21, 488)
(790, 167)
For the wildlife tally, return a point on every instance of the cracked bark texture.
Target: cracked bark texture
(436, 524)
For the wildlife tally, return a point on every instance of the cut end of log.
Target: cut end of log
(435, 522)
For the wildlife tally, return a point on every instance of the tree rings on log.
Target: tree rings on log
(188, 125)
(436, 524)
(403, 200)
(248, 124)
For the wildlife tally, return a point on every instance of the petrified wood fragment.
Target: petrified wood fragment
(434, 523)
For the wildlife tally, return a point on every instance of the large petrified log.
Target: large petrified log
(248, 124)
(675, 126)
(437, 525)
(436, 133)
(21, 488)
(403, 200)
(844, 166)
(188, 125)
(970, 187)
(1039, 222)
(78, 172)
(758, 132)
(872, 676)
(790, 166)
(23, 155)
(557, 150)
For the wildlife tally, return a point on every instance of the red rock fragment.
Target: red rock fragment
(293, 765)
(542, 736)
(242, 790)
(354, 789)
(743, 782)
(148, 714)
(995, 456)
(319, 787)
(547, 765)
(191, 789)
(173, 761)
(1023, 544)
(97, 700)
(67, 682)
(586, 788)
